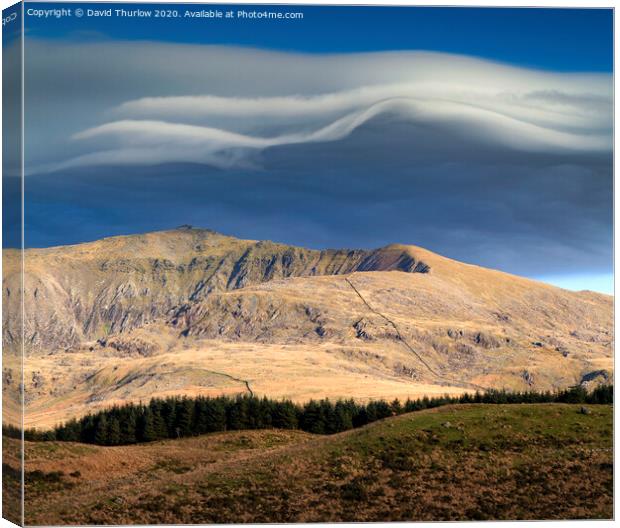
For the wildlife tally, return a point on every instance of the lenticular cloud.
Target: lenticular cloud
(491, 104)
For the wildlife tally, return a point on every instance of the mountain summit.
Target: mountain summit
(192, 311)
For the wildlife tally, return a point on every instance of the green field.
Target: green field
(528, 461)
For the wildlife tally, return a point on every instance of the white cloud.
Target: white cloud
(294, 99)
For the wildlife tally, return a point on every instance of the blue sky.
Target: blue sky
(482, 134)
(555, 39)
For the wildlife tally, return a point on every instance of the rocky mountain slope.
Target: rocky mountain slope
(87, 291)
(191, 311)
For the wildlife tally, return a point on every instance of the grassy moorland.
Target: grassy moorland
(471, 461)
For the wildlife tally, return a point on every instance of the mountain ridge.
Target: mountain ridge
(190, 311)
(199, 260)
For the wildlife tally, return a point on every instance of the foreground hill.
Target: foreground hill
(453, 463)
(191, 311)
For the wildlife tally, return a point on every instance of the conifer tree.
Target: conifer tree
(284, 415)
(101, 431)
(396, 407)
(128, 433)
(185, 412)
(146, 427)
(113, 432)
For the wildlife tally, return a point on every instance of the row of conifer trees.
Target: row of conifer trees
(181, 417)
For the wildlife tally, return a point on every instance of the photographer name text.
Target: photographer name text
(241, 14)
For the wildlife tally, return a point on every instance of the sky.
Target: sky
(482, 134)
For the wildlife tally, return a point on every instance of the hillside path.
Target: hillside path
(406, 343)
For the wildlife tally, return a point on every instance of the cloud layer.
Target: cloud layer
(495, 105)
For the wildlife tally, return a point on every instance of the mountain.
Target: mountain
(86, 291)
(191, 311)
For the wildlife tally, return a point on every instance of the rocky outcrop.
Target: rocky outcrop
(595, 378)
(81, 293)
